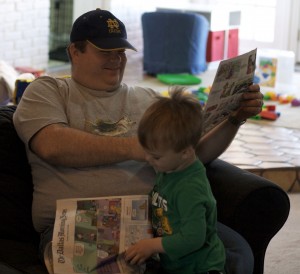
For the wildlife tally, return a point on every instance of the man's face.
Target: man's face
(98, 69)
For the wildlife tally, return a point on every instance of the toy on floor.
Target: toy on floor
(268, 112)
(179, 79)
(282, 98)
(202, 94)
(285, 99)
(270, 96)
(269, 115)
(295, 102)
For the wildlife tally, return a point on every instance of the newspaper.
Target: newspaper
(233, 77)
(91, 235)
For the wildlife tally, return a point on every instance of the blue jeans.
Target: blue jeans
(239, 257)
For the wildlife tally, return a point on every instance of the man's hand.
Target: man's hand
(250, 104)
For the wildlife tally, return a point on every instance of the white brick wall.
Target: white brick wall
(24, 32)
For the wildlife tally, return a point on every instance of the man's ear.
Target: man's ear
(73, 51)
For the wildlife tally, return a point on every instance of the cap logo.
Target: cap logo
(113, 26)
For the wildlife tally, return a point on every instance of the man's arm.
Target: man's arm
(64, 146)
(215, 142)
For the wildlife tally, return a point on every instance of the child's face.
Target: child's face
(166, 160)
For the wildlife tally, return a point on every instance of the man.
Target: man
(80, 132)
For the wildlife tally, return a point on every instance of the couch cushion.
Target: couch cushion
(21, 256)
(15, 182)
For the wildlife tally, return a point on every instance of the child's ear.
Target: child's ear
(188, 152)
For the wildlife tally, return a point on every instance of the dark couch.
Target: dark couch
(253, 206)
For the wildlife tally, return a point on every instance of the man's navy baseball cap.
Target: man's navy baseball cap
(102, 29)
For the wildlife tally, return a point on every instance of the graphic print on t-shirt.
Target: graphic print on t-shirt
(110, 128)
(160, 221)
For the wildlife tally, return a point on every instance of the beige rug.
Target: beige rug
(283, 253)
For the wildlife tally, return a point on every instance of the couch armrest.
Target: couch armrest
(15, 182)
(251, 205)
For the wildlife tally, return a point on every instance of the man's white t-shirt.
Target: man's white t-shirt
(50, 100)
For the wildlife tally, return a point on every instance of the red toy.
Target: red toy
(269, 115)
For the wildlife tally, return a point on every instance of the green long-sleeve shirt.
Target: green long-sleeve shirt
(184, 213)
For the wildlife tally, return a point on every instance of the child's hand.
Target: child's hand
(142, 250)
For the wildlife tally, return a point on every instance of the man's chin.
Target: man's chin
(114, 77)
(111, 86)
